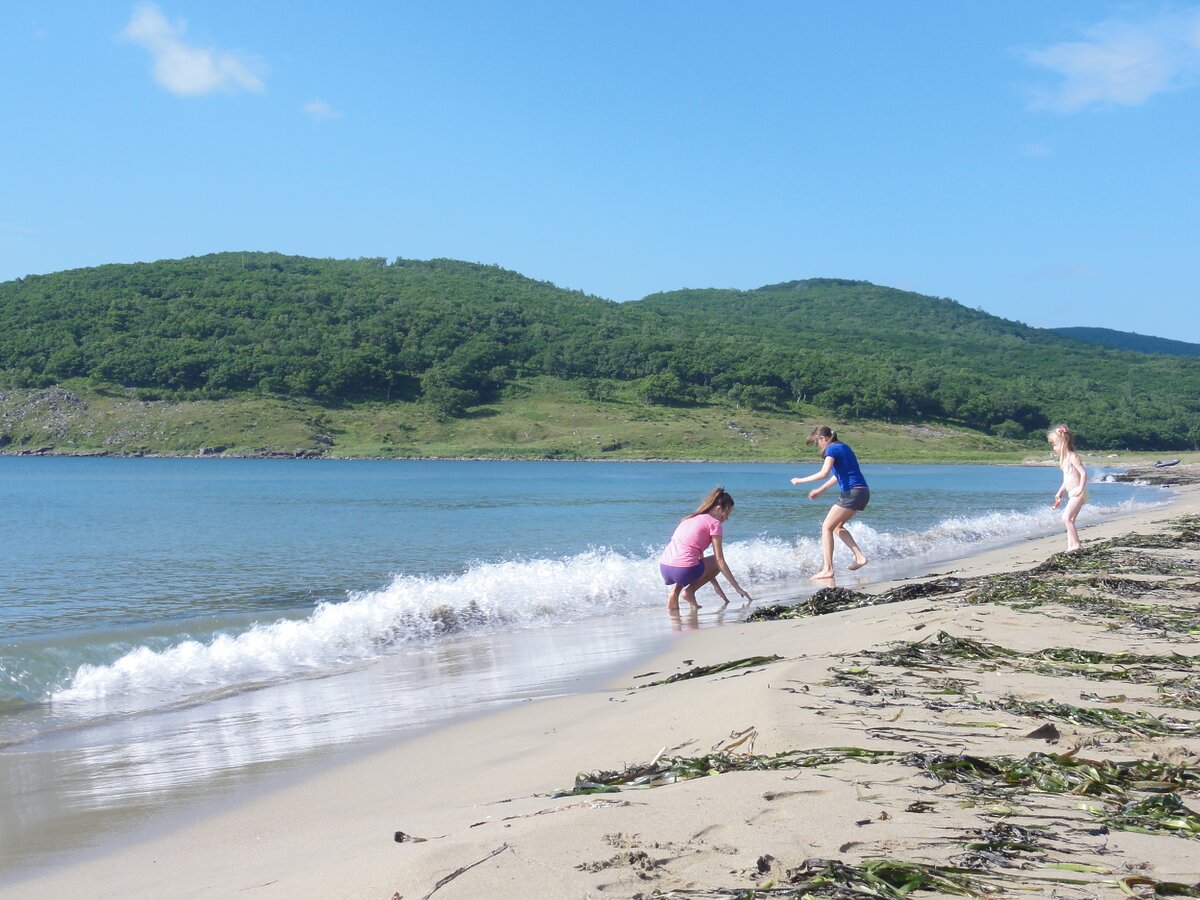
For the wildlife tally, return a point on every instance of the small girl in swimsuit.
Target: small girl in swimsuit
(1074, 483)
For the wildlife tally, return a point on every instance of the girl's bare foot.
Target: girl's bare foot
(824, 573)
(857, 564)
(690, 596)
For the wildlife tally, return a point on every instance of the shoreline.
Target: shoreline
(1143, 464)
(464, 790)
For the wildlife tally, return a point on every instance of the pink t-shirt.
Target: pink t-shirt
(690, 540)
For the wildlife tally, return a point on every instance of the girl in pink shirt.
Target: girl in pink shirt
(684, 565)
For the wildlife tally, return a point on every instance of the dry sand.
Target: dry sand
(476, 800)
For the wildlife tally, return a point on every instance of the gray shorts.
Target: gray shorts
(856, 498)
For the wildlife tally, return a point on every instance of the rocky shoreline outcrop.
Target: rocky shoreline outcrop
(1183, 473)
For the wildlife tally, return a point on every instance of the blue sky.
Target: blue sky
(1038, 160)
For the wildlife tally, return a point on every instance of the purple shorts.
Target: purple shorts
(681, 575)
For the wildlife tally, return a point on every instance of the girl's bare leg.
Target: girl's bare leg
(710, 572)
(673, 598)
(1070, 513)
(835, 523)
(860, 558)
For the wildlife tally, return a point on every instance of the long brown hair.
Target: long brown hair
(821, 431)
(716, 497)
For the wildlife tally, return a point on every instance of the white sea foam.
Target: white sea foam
(489, 597)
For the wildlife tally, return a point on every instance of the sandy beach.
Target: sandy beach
(484, 808)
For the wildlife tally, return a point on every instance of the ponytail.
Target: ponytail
(822, 431)
(717, 497)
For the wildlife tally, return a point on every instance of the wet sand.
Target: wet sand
(471, 810)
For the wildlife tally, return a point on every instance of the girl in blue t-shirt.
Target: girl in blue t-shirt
(854, 496)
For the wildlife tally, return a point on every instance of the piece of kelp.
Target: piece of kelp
(938, 651)
(701, 671)
(1050, 772)
(1186, 538)
(835, 599)
(1004, 845)
(1107, 557)
(873, 879)
(1056, 773)
(1153, 815)
(1140, 723)
(928, 589)
(888, 878)
(825, 601)
(1140, 886)
(1124, 587)
(661, 771)
(857, 679)
(1019, 589)
(1181, 693)
(944, 649)
(1023, 592)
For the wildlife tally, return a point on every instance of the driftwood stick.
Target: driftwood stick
(458, 872)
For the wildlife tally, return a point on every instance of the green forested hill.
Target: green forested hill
(452, 335)
(883, 352)
(1128, 340)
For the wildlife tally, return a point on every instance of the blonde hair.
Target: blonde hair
(1066, 438)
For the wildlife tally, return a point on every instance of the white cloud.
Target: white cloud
(1120, 62)
(320, 110)
(182, 68)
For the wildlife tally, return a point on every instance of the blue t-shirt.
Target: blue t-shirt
(845, 466)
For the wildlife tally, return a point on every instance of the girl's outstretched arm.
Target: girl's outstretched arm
(826, 468)
(719, 553)
(816, 492)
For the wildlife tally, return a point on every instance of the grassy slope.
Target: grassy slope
(543, 418)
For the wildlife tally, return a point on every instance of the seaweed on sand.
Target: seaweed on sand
(1124, 587)
(1140, 723)
(1182, 693)
(825, 601)
(1107, 557)
(1002, 777)
(1021, 591)
(835, 599)
(890, 879)
(945, 650)
(1185, 536)
(856, 679)
(1002, 844)
(938, 653)
(934, 588)
(1055, 773)
(701, 671)
(660, 772)
(1152, 815)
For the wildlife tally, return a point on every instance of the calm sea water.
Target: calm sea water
(171, 629)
